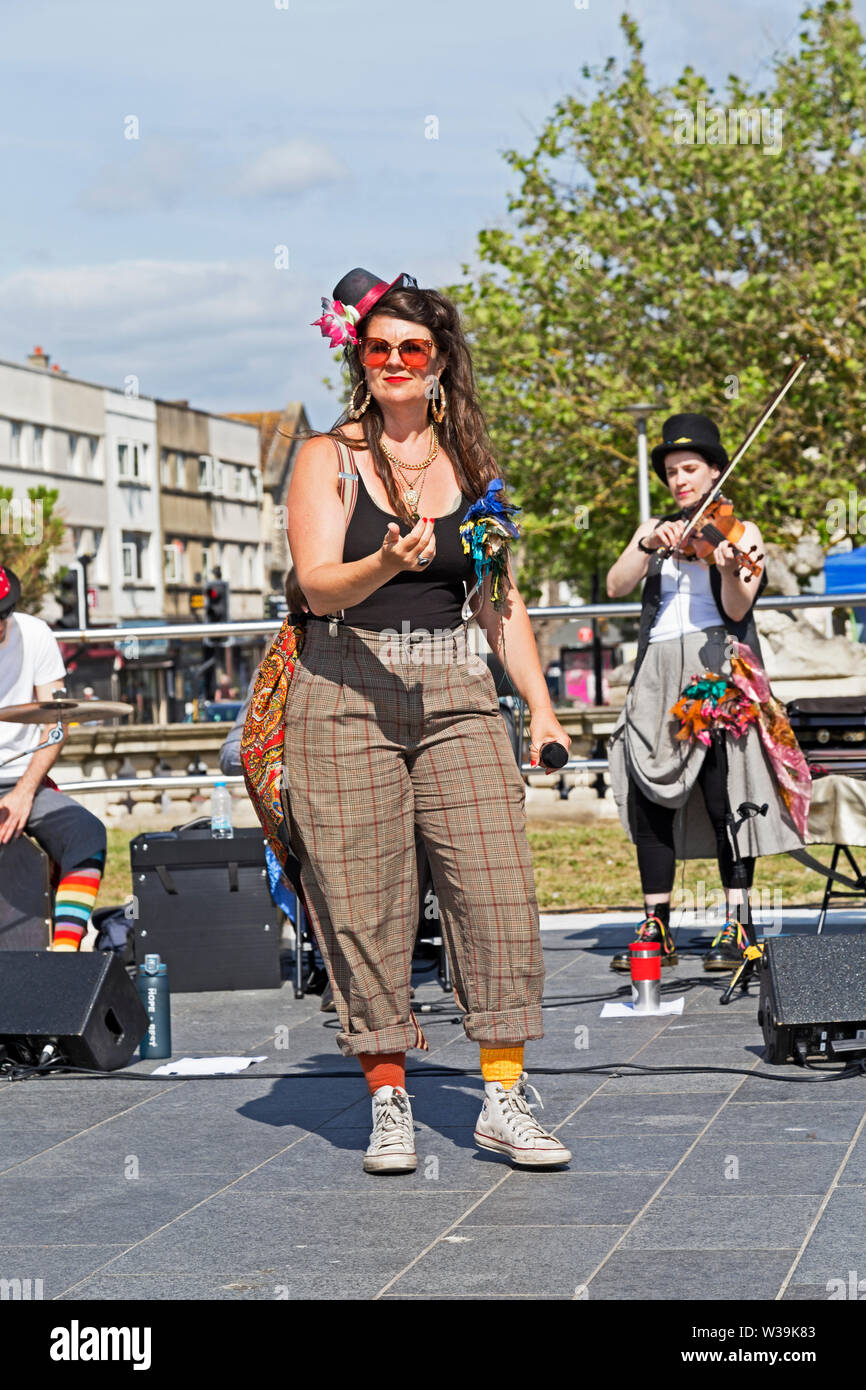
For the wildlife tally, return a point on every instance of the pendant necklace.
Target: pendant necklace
(412, 493)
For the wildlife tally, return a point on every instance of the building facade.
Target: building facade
(157, 499)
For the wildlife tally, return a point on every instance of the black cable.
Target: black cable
(69, 1073)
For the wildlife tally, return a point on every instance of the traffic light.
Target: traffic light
(71, 599)
(217, 602)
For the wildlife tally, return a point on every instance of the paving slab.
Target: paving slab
(727, 1223)
(682, 1184)
(657, 1276)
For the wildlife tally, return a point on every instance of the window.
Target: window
(16, 441)
(38, 440)
(72, 454)
(167, 468)
(91, 457)
(181, 471)
(205, 563)
(219, 472)
(205, 473)
(173, 562)
(248, 566)
(131, 459)
(134, 557)
(252, 491)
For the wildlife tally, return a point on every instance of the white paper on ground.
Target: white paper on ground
(205, 1066)
(619, 1010)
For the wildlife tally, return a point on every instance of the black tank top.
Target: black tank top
(426, 598)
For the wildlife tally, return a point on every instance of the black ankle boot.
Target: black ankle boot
(728, 948)
(654, 927)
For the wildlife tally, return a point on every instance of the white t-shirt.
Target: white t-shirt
(29, 657)
(687, 603)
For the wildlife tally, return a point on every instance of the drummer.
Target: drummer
(31, 668)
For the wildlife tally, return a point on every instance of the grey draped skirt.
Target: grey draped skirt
(643, 750)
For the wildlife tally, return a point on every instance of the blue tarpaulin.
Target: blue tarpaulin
(846, 573)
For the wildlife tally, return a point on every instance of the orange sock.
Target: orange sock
(503, 1064)
(383, 1069)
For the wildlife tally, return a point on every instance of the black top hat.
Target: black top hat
(10, 591)
(695, 432)
(357, 292)
(362, 290)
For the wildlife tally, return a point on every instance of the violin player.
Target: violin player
(673, 792)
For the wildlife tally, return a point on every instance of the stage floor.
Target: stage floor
(704, 1185)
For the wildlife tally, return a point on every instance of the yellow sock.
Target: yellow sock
(503, 1064)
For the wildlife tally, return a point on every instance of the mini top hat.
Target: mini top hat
(10, 591)
(696, 432)
(354, 296)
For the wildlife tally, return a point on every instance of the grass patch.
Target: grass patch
(585, 868)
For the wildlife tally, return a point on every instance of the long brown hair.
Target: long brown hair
(463, 431)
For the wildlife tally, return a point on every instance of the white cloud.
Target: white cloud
(158, 174)
(176, 324)
(290, 168)
(152, 173)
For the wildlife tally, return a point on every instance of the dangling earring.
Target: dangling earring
(354, 411)
(439, 392)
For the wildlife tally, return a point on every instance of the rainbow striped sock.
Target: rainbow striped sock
(73, 903)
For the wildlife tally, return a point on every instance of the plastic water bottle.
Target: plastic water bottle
(154, 994)
(221, 812)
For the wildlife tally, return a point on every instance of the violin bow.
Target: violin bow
(711, 496)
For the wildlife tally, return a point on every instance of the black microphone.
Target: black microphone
(553, 755)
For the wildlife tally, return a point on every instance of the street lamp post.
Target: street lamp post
(640, 414)
(84, 561)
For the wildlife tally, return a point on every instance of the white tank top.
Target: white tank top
(687, 603)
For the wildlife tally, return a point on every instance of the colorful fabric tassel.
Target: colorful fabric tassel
(713, 702)
(485, 532)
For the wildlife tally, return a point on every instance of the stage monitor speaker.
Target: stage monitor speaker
(82, 1002)
(813, 997)
(25, 896)
(204, 907)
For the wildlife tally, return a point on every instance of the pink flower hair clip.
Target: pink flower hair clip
(337, 322)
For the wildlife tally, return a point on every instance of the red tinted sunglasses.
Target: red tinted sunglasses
(414, 352)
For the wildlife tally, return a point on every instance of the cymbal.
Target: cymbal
(67, 711)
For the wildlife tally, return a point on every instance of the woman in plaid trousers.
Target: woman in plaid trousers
(393, 722)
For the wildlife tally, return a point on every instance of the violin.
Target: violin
(718, 524)
(713, 521)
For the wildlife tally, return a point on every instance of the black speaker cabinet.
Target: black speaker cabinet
(25, 896)
(83, 1001)
(813, 997)
(203, 905)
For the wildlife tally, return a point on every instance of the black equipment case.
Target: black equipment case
(203, 905)
(831, 730)
(26, 903)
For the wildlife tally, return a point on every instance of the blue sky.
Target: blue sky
(296, 123)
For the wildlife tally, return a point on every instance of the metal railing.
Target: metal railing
(265, 627)
(183, 632)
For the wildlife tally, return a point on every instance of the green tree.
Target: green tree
(641, 267)
(29, 532)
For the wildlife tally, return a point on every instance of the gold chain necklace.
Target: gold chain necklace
(412, 494)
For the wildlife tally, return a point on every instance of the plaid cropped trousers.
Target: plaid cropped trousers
(385, 732)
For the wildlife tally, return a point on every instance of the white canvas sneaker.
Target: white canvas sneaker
(507, 1125)
(392, 1143)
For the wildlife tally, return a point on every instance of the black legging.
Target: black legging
(654, 829)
